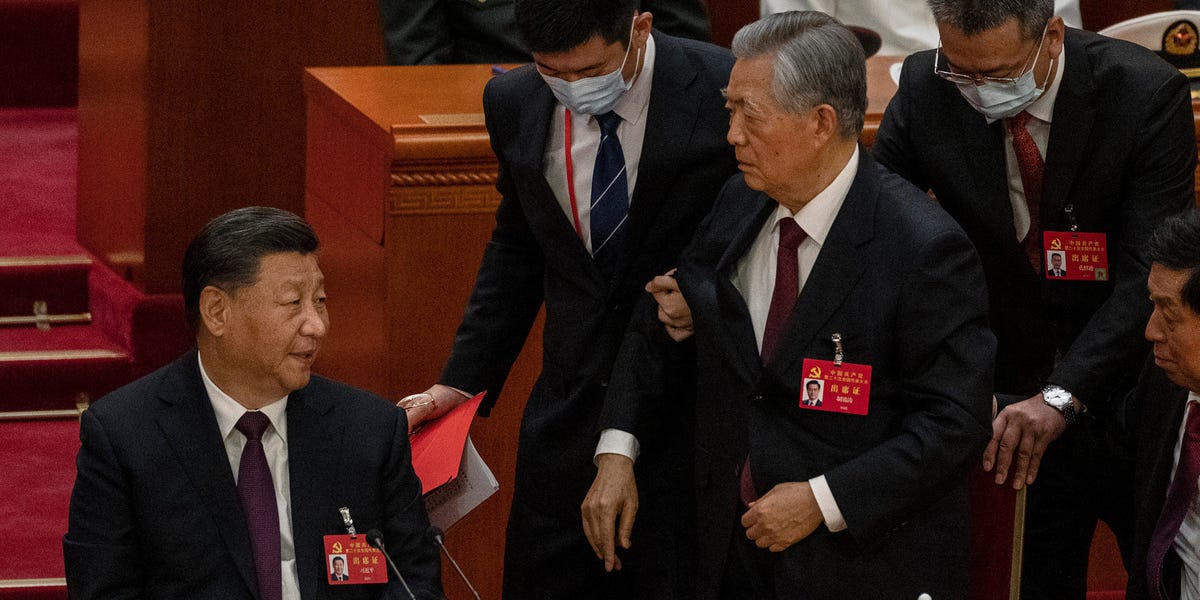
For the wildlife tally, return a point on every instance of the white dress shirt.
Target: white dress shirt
(904, 26)
(754, 277)
(274, 440)
(1038, 127)
(585, 142)
(1187, 543)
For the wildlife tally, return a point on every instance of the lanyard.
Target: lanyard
(571, 171)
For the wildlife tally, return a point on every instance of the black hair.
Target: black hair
(553, 26)
(1176, 246)
(973, 17)
(228, 251)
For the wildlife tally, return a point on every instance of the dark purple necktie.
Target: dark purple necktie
(1179, 500)
(787, 285)
(783, 298)
(257, 493)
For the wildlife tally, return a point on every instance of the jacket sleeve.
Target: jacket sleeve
(100, 549)
(508, 288)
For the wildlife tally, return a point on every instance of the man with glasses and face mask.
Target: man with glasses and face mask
(611, 148)
(1030, 133)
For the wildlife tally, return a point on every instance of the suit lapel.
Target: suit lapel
(836, 271)
(983, 145)
(533, 132)
(735, 315)
(1074, 116)
(314, 453)
(190, 427)
(671, 111)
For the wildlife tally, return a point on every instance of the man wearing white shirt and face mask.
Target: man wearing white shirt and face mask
(611, 148)
(1027, 132)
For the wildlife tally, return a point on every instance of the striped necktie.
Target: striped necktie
(610, 197)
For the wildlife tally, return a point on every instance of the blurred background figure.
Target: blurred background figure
(905, 26)
(448, 32)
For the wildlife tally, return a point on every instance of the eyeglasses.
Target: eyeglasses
(977, 79)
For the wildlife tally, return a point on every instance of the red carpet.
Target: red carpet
(35, 491)
(38, 156)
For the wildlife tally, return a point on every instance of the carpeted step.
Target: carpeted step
(44, 290)
(35, 493)
(52, 370)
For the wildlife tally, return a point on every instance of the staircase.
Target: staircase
(71, 330)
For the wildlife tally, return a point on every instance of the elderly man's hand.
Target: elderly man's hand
(613, 496)
(1023, 429)
(673, 311)
(430, 404)
(783, 516)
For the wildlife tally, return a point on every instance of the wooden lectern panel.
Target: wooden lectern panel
(401, 189)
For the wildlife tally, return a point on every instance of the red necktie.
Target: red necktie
(783, 298)
(787, 285)
(1179, 500)
(1032, 167)
(257, 494)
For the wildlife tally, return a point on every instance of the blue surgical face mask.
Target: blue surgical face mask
(593, 95)
(999, 100)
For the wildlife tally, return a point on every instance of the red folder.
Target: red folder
(437, 446)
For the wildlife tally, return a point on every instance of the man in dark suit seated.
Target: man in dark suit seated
(611, 149)
(219, 475)
(1166, 549)
(1028, 131)
(817, 263)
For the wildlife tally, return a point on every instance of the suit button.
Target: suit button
(615, 306)
(604, 382)
(756, 398)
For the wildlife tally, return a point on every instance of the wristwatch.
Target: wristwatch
(1060, 400)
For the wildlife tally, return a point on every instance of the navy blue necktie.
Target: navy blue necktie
(610, 196)
(257, 493)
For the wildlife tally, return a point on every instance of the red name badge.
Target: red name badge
(1075, 256)
(351, 560)
(836, 388)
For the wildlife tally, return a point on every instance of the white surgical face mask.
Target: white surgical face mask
(1001, 100)
(593, 95)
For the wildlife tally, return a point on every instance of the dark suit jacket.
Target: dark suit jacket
(1159, 406)
(155, 511)
(431, 32)
(901, 283)
(536, 258)
(1122, 153)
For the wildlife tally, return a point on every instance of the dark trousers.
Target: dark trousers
(547, 557)
(1085, 476)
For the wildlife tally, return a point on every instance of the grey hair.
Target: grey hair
(976, 16)
(817, 61)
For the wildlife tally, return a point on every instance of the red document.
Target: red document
(437, 446)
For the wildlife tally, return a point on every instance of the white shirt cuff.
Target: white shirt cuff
(828, 506)
(615, 441)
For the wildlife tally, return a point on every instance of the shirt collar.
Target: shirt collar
(228, 411)
(1043, 108)
(633, 103)
(816, 217)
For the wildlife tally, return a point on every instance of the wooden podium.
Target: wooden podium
(401, 190)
